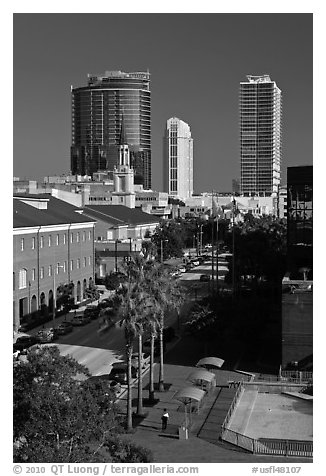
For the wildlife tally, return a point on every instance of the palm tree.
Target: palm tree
(165, 294)
(132, 304)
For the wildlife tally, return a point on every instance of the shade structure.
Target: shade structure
(210, 362)
(202, 375)
(185, 395)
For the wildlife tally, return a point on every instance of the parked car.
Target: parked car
(92, 311)
(24, 342)
(44, 336)
(146, 359)
(182, 269)
(119, 372)
(204, 277)
(195, 262)
(80, 320)
(64, 328)
(189, 267)
(112, 384)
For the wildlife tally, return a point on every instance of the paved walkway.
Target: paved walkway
(203, 445)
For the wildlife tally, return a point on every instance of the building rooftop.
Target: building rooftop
(53, 212)
(119, 215)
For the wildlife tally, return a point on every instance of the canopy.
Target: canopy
(210, 362)
(185, 395)
(201, 374)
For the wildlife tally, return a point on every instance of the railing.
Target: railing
(233, 405)
(297, 375)
(268, 446)
(238, 439)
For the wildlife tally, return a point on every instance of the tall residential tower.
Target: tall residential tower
(178, 159)
(260, 136)
(97, 112)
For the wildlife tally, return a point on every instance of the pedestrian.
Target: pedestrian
(165, 418)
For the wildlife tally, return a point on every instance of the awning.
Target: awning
(201, 374)
(210, 362)
(187, 394)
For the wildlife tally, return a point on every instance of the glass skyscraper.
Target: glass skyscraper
(178, 159)
(97, 112)
(260, 136)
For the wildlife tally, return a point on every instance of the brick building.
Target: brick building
(53, 245)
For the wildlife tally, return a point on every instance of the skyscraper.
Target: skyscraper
(178, 159)
(97, 112)
(260, 136)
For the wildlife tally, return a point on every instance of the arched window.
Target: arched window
(22, 278)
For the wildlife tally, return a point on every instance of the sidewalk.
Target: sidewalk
(167, 448)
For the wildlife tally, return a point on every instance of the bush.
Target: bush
(123, 451)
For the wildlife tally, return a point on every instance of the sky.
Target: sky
(196, 61)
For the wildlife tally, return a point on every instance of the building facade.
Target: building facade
(260, 136)
(97, 112)
(178, 159)
(53, 245)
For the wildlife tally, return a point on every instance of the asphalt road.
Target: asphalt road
(99, 350)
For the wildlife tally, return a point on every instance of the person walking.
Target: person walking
(165, 418)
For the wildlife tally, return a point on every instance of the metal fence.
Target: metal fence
(234, 402)
(269, 446)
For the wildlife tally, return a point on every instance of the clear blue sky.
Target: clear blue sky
(196, 63)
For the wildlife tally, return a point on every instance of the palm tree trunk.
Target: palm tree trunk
(140, 375)
(151, 395)
(161, 372)
(129, 390)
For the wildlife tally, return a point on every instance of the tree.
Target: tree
(169, 237)
(56, 417)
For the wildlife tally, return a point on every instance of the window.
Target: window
(33, 243)
(85, 262)
(71, 237)
(78, 237)
(58, 268)
(22, 242)
(84, 235)
(58, 240)
(41, 272)
(64, 238)
(41, 241)
(64, 266)
(14, 281)
(50, 270)
(78, 263)
(90, 261)
(22, 278)
(50, 240)
(89, 235)
(71, 264)
(33, 274)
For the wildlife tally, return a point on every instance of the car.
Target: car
(119, 372)
(80, 320)
(24, 342)
(189, 267)
(195, 262)
(182, 269)
(64, 328)
(204, 277)
(146, 359)
(112, 384)
(44, 336)
(92, 311)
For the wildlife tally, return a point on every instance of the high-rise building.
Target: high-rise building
(97, 112)
(178, 159)
(260, 136)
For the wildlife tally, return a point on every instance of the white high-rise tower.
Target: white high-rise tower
(260, 136)
(178, 159)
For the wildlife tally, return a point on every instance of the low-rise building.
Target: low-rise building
(53, 245)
